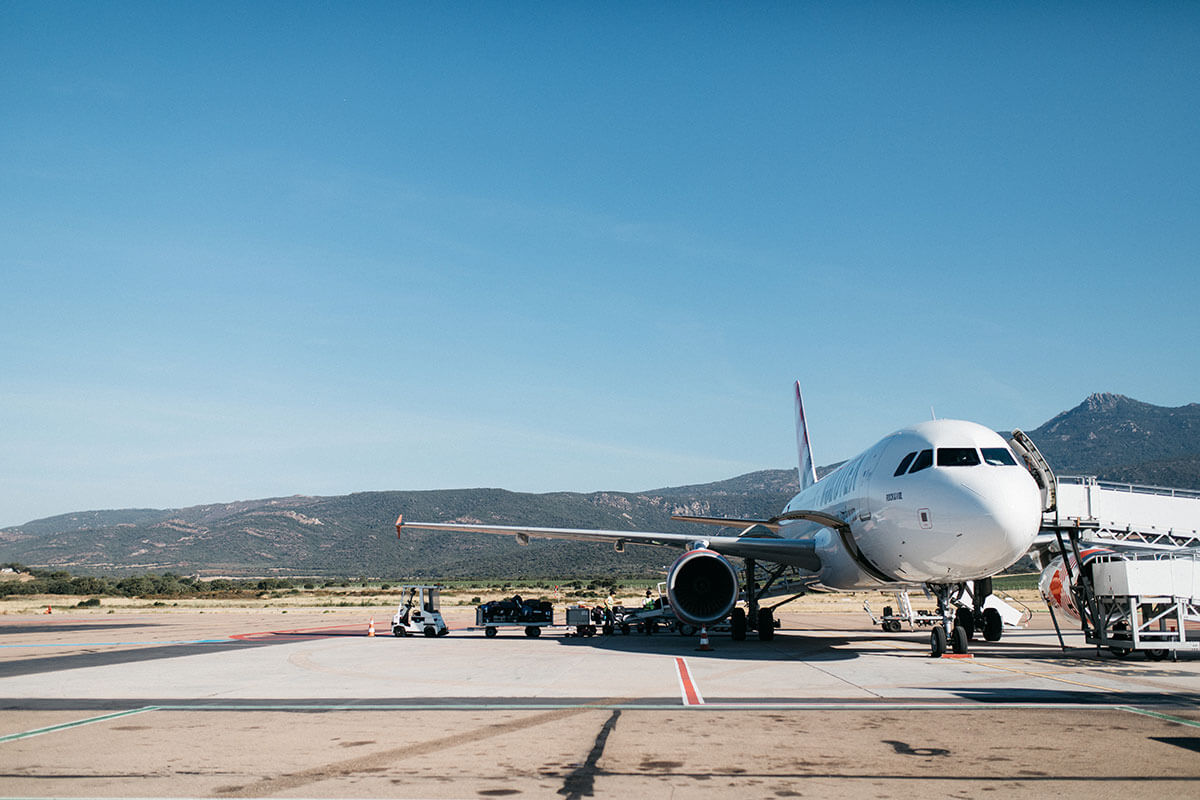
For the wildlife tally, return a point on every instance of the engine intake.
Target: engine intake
(702, 587)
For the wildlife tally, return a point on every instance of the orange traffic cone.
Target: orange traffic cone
(704, 640)
(371, 627)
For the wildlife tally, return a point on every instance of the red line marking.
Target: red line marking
(244, 636)
(691, 697)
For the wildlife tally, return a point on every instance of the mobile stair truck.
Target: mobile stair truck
(1144, 603)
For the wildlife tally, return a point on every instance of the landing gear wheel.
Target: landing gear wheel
(766, 625)
(533, 631)
(489, 632)
(959, 640)
(964, 618)
(993, 626)
(937, 641)
(1156, 654)
(737, 625)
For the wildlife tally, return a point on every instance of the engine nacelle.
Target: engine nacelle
(702, 587)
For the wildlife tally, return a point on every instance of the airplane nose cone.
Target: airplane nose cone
(1009, 516)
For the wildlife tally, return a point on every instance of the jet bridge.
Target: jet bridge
(1149, 517)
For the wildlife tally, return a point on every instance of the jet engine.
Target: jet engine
(702, 587)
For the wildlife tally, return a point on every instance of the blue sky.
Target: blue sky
(259, 249)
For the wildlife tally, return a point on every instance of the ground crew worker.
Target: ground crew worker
(610, 603)
(649, 600)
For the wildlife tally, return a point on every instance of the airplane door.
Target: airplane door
(1027, 451)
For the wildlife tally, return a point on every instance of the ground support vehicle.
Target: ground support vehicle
(532, 615)
(1144, 603)
(989, 617)
(588, 621)
(892, 621)
(648, 620)
(656, 615)
(419, 612)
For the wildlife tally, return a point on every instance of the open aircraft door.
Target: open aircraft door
(1027, 451)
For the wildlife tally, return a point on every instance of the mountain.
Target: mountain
(353, 535)
(1117, 438)
(1107, 435)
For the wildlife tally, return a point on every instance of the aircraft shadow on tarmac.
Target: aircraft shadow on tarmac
(786, 646)
(1015, 694)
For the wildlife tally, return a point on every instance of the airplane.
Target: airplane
(935, 505)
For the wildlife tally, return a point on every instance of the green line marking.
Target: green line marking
(713, 706)
(1157, 715)
(66, 725)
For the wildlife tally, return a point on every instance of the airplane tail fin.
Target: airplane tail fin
(808, 470)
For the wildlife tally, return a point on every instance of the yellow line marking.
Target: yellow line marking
(1050, 677)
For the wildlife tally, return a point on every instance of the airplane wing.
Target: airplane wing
(793, 552)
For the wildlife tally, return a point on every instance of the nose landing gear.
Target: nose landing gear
(958, 625)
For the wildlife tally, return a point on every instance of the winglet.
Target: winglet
(399, 525)
(808, 471)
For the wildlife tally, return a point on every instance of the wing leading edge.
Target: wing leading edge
(792, 552)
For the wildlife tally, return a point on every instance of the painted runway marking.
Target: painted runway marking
(143, 643)
(691, 694)
(66, 725)
(1157, 715)
(1047, 677)
(295, 632)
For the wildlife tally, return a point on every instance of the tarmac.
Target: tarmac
(305, 704)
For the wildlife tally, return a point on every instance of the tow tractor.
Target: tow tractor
(419, 612)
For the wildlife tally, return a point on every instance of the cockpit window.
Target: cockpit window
(957, 456)
(998, 457)
(924, 461)
(904, 464)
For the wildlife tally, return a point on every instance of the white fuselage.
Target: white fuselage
(963, 508)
